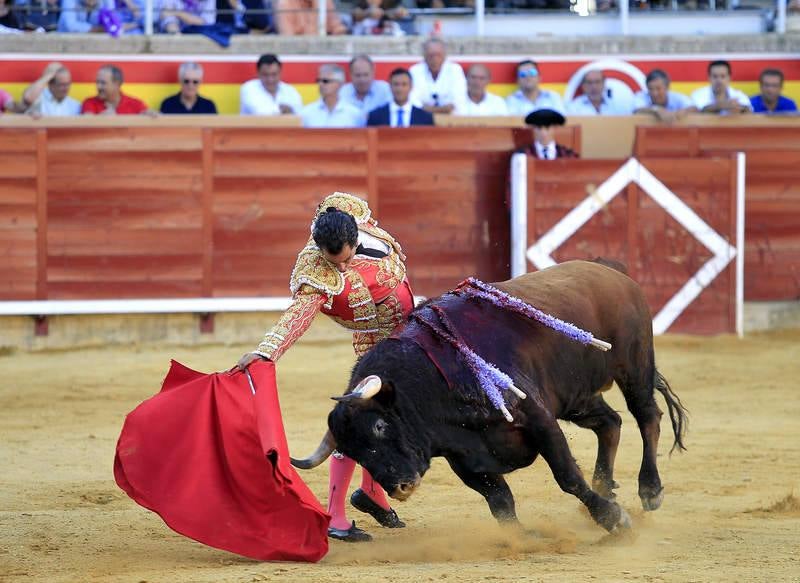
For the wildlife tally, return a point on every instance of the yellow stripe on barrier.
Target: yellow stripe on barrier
(226, 95)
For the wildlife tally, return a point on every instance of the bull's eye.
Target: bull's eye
(379, 429)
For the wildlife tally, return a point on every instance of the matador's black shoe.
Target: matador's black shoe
(349, 535)
(387, 518)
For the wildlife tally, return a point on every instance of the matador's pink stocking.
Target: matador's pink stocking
(374, 490)
(341, 472)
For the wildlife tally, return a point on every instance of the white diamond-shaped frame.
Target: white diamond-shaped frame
(633, 171)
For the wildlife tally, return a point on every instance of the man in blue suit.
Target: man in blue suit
(399, 113)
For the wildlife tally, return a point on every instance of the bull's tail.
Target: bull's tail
(678, 414)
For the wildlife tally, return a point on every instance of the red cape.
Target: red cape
(211, 459)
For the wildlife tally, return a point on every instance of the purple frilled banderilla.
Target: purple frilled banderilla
(492, 380)
(477, 289)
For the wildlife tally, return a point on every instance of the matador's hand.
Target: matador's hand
(248, 359)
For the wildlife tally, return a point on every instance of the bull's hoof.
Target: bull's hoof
(623, 523)
(652, 502)
(612, 517)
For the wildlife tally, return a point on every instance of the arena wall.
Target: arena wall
(121, 209)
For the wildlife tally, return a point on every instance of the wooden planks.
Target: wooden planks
(124, 212)
(19, 214)
(772, 200)
(657, 249)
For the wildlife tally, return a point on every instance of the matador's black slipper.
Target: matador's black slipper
(349, 535)
(387, 518)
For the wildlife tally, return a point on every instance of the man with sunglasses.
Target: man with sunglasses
(529, 96)
(188, 100)
(329, 111)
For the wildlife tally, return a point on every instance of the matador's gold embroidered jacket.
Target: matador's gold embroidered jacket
(364, 299)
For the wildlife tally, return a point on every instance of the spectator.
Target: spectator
(544, 147)
(109, 99)
(478, 101)
(188, 100)
(719, 97)
(438, 82)
(8, 17)
(658, 100)
(529, 96)
(268, 95)
(49, 94)
(244, 15)
(178, 14)
(131, 15)
(329, 111)
(378, 17)
(294, 17)
(770, 100)
(364, 92)
(400, 112)
(82, 15)
(7, 103)
(39, 14)
(596, 99)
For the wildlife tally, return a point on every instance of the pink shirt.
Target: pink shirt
(5, 100)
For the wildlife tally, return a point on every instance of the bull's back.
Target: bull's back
(590, 295)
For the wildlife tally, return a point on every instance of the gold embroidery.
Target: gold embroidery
(292, 323)
(389, 316)
(345, 202)
(314, 270)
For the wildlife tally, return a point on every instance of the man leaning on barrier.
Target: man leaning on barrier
(658, 100)
(110, 100)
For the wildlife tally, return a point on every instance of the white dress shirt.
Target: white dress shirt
(379, 94)
(254, 99)
(449, 87)
(705, 96)
(47, 105)
(547, 152)
(490, 105)
(519, 104)
(582, 106)
(675, 101)
(343, 115)
(393, 107)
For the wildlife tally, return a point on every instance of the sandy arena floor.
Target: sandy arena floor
(731, 513)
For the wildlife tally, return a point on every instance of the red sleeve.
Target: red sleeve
(90, 105)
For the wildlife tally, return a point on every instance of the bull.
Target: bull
(412, 398)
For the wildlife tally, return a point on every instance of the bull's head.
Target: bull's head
(367, 426)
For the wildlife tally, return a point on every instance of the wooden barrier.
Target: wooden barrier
(154, 211)
(632, 228)
(772, 226)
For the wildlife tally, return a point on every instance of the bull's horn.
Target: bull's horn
(366, 389)
(323, 452)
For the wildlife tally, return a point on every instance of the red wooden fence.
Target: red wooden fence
(659, 252)
(772, 215)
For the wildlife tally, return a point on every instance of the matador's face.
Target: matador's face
(340, 260)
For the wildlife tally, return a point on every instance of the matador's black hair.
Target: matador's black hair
(334, 229)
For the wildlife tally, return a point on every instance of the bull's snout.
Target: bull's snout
(403, 490)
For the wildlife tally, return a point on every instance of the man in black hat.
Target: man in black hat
(544, 146)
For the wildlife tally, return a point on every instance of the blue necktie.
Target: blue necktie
(400, 121)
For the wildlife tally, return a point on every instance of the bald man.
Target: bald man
(478, 100)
